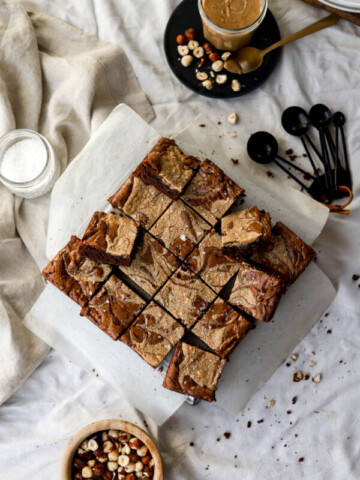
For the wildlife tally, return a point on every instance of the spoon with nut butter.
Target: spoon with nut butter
(249, 59)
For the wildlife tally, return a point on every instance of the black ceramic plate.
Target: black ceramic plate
(186, 15)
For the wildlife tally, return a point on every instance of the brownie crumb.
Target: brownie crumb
(341, 361)
(296, 435)
(289, 412)
(288, 364)
(307, 176)
(218, 439)
(202, 125)
(249, 424)
(160, 369)
(227, 435)
(329, 331)
(306, 376)
(289, 152)
(326, 314)
(294, 400)
(270, 174)
(219, 123)
(301, 459)
(235, 161)
(191, 444)
(304, 155)
(260, 421)
(235, 456)
(355, 277)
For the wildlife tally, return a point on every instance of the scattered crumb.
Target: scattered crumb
(227, 435)
(294, 357)
(202, 125)
(260, 421)
(191, 444)
(317, 378)
(301, 459)
(235, 161)
(161, 369)
(355, 277)
(307, 176)
(298, 376)
(218, 439)
(329, 331)
(289, 412)
(233, 118)
(249, 424)
(306, 376)
(289, 152)
(312, 364)
(219, 123)
(288, 364)
(270, 174)
(294, 400)
(233, 135)
(326, 314)
(270, 404)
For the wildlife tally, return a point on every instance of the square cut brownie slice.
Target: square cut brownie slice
(180, 229)
(110, 238)
(222, 328)
(194, 372)
(139, 201)
(153, 334)
(152, 265)
(241, 231)
(287, 257)
(167, 168)
(256, 292)
(185, 296)
(74, 274)
(114, 307)
(211, 193)
(211, 263)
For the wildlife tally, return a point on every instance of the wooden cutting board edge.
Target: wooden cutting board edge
(350, 16)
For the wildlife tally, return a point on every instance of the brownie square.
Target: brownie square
(110, 238)
(211, 263)
(222, 328)
(74, 274)
(185, 296)
(153, 334)
(211, 193)
(256, 292)
(289, 255)
(139, 201)
(167, 168)
(152, 265)
(194, 372)
(180, 229)
(241, 231)
(114, 307)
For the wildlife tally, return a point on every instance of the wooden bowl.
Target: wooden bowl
(84, 433)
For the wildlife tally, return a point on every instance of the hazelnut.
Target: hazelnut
(108, 446)
(298, 376)
(93, 445)
(142, 451)
(148, 472)
(201, 76)
(225, 56)
(131, 476)
(124, 437)
(87, 472)
(214, 57)
(112, 466)
(113, 434)
(99, 470)
(193, 44)
(181, 39)
(202, 62)
(139, 474)
(135, 443)
(218, 66)
(152, 463)
(78, 464)
(293, 357)
(183, 50)
(138, 466)
(113, 456)
(108, 476)
(187, 60)
(78, 476)
(91, 463)
(121, 476)
(130, 468)
(123, 460)
(126, 449)
(198, 52)
(221, 79)
(208, 48)
(146, 460)
(190, 34)
(102, 458)
(236, 85)
(208, 84)
(104, 437)
(85, 445)
(317, 378)
(134, 457)
(233, 118)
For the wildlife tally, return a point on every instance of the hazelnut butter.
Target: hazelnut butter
(230, 24)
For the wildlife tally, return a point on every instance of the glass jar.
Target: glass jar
(230, 39)
(28, 165)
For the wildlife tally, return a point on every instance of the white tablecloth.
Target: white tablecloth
(322, 427)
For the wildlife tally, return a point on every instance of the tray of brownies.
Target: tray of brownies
(175, 273)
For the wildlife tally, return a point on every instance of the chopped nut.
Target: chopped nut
(317, 378)
(193, 44)
(187, 60)
(87, 472)
(183, 50)
(190, 34)
(212, 74)
(218, 66)
(202, 62)
(298, 376)
(221, 79)
(181, 39)
(208, 84)
(312, 364)
(233, 135)
(225, 56)
(294, 357)
(208, 48)
(201, 76)
(112, 466)
(236, 85)
(233, 118)
(213, 57)
(270, 404)
(198, 52)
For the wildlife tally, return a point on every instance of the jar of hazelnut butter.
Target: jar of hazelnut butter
(231, 24)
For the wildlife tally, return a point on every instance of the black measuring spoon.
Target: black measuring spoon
(295, 121)
(263, 148)
(339, 120)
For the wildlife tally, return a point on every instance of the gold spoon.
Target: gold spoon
(248, 59)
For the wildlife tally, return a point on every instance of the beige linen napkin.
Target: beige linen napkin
(58, 80)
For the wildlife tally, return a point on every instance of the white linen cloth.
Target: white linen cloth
(323, 426)
(58, 80)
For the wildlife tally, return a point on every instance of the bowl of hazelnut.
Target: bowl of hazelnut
(111, 450)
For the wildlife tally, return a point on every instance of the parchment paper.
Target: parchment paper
(92, 177)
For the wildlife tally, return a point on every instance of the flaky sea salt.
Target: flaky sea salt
(24, 160)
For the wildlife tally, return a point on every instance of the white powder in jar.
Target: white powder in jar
(24, 160)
